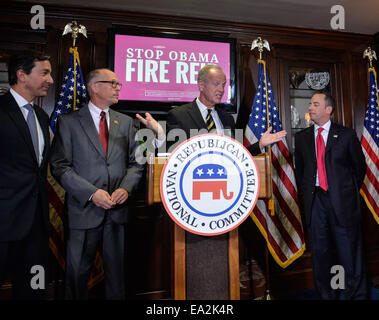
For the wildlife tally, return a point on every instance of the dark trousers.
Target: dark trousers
(18, 258)
(326, 235)
(81, 248)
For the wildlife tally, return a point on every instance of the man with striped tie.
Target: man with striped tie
(206, 278)
(204, 115)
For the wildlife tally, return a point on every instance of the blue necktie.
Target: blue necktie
(31, 120)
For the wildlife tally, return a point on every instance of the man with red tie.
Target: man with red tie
(93, 158)
(330, 168)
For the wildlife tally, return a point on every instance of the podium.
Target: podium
(155, 167)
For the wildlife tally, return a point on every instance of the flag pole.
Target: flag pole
(261, 44)
(74, 29)
(271, 200)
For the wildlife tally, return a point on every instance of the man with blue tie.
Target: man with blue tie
(24, 149)
(330, 168)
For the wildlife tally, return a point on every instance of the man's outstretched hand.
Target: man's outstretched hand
(269, 138)
(152, 124)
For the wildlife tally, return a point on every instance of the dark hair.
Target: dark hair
(23, 61)
(329, 100)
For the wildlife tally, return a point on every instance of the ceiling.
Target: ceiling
(361, 16)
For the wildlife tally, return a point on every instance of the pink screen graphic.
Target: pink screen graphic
(162, 69)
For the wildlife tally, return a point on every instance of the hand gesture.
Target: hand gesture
(152, 124)
(269, 138)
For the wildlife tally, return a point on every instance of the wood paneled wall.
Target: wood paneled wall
(151, 233)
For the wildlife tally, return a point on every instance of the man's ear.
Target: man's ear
(21, 75)
(329, 109)
(93, 87)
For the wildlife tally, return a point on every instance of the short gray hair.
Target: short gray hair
(203, 72)
(92, 76)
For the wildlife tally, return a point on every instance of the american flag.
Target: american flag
(283, 231)
(72, 96)
(370, 146)
(73, 92)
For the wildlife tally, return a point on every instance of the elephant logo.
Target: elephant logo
(210, 178)
(209, 184)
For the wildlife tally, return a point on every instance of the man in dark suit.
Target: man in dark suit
(24, 148)
(98, 169)
(330, 178)
(190, 119)
(206, 272)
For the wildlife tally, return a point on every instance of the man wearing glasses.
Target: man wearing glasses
(93, 158)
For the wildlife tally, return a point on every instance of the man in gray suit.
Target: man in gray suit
(98, 169)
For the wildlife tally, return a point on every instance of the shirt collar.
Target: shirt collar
(326, 126)
(21, 101)
(203, 108)
(96, 110)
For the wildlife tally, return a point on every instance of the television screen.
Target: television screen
(160, 69)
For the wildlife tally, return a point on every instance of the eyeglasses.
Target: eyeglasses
(113, 83)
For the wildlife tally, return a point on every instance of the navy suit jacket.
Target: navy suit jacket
(345, 170)
(22, 180)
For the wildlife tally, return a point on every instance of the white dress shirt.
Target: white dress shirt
(204, 113)
(324, 134)
(21, 102)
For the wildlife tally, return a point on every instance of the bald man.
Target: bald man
(93, 157)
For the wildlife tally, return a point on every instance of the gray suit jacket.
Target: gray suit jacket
(79, 163)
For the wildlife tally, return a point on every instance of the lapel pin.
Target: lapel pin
(335, 136)
(115, 121)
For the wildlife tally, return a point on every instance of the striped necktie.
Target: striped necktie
(209, 122)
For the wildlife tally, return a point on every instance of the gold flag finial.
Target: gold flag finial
(75, 29)
(260, 44)
(370, 54)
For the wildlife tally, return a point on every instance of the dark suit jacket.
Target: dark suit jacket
(345, 169)
(22, 181)
(188, 116)
(79, 163)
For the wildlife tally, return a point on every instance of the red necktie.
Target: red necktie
(322, 180)
(103, 132)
